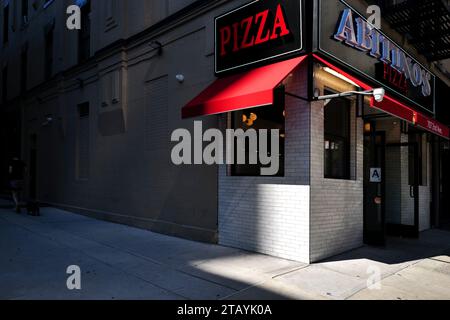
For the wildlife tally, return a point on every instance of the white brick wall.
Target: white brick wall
(336, 205)
(407, 203)
(266, 214)
(425, 197)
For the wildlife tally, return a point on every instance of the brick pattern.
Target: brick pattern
(266, 214)
(407, 203)
(336, 205)
(425, 197)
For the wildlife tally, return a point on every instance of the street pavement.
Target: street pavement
(121, 262)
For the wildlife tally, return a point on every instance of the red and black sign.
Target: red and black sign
(347, 37)
(258, 32)
(392, 78)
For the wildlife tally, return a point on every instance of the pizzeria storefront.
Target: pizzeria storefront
(356, 117)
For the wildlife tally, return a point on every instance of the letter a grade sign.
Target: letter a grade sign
(375, 175)
(257, 32)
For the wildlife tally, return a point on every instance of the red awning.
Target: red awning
(250, 89)
(396, 108)
(433, 126)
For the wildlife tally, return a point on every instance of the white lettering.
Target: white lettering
(74, 20)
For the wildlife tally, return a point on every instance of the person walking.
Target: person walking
(17, 170)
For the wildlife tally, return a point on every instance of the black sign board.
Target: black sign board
(257, 32)
(346, 36)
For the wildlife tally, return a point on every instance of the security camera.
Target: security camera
(379, 94)
(180, 78)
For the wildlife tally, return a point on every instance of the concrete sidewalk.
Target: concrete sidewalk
(120, 262)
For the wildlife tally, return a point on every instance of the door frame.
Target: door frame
(401, 229)
(379, 238)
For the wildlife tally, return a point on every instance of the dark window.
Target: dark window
(84, 35)
(418, 141)
(337, 139)
(25, 11)
(83, 110)
(4, 84)
(270, 117)
(5, 24)
(48, 54)
(24, 70)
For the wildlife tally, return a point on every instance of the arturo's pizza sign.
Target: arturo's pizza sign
(258, 32)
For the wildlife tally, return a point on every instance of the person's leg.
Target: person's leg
(15, 197)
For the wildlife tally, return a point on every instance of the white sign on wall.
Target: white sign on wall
(375, 175)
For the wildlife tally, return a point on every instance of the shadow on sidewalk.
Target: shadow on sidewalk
(121, 262)
(398, 250)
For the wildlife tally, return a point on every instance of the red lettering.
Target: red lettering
(252, 31)
(225, 38)
(248, 25)
(280, 24)
(405, 84)
(395, 77)
(236, 37)
(386, 71)
(262, 17)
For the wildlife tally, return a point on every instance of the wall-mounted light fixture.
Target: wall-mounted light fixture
(378, 94)
(340, 76)
(155, 44)
(367, 127)
(249, 120)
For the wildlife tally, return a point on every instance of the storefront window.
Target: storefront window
(337, 139)
(271, 117)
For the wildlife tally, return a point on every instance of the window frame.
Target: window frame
(49, 54)
(347, 140)
(232, 168)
